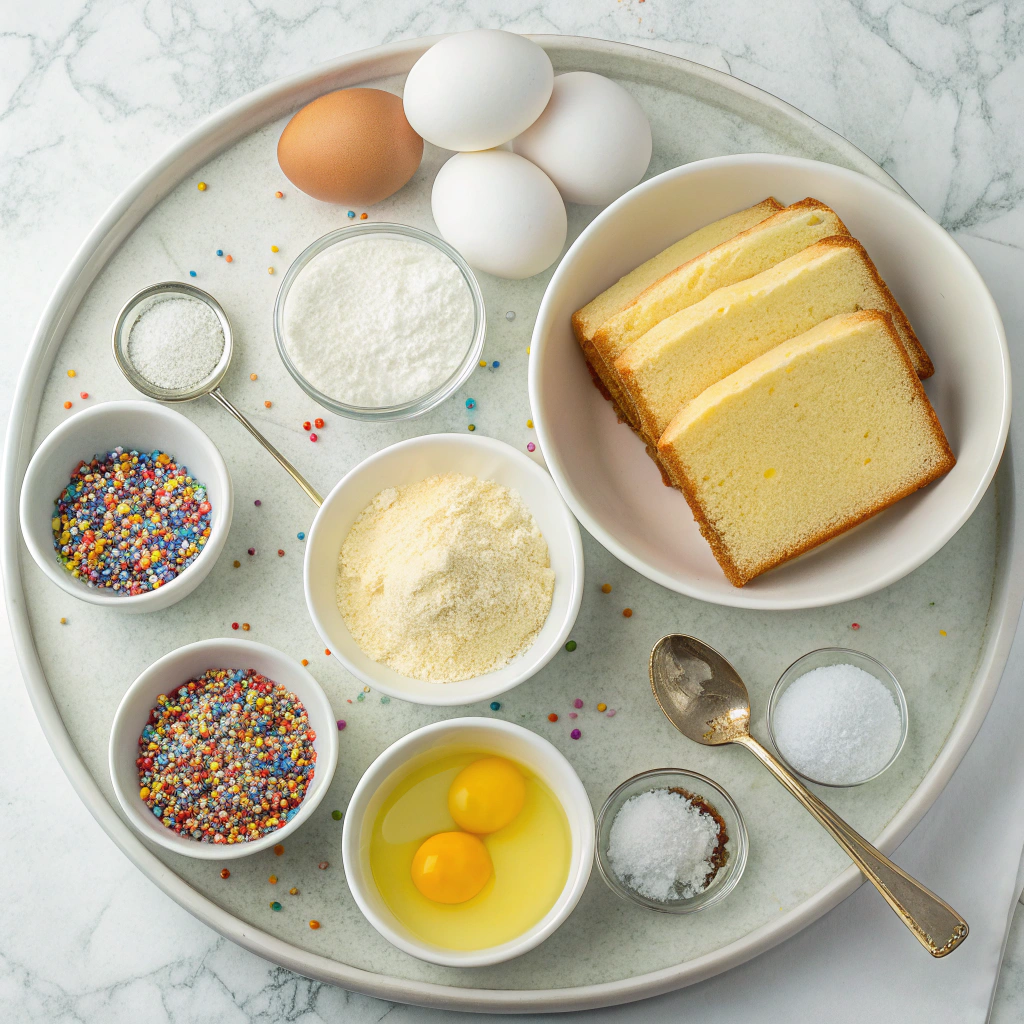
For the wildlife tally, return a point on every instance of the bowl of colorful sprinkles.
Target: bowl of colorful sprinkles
(672, 841)
(222, 748)
(127, 505)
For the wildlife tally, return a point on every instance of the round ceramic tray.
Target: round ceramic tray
(608, 951)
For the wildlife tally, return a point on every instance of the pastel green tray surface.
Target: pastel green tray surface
(90, 661)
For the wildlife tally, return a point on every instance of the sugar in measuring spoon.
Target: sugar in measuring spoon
(144, 311)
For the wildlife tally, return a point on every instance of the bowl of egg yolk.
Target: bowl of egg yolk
(468, 842)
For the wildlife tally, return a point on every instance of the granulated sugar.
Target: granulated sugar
(837, 724)
(445, 579)
(176, 342)
(378, 322)
(661, 845)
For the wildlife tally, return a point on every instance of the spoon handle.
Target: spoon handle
(936, 925)
(217, 395)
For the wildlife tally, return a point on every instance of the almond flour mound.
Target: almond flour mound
(445, 579)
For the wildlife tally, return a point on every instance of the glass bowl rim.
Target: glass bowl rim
(414, 407)
(887, 674)
(735, 866)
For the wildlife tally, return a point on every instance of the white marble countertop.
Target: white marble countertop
(93, 91)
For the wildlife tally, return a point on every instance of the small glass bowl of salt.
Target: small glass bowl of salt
(837, 717)
(671, 840)
(379, 321)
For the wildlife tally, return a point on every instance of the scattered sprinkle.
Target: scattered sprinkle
(552, 717)
(313, 438)
(470, 403)
(495, 364)
(267, 404)
(854, 625)
(224, 873)
(627, 613)
(252, 551)
(351, 214)
(72, 373)
(314, 925)
(220, 252)
(575, 734)
(201, 186)
(234, 625)
(229, 259)
(254, 376)
(274, 248)
(318, 423)
(527, 349)
(279, 195)
(510, 315)
(531, 447)
(495, 705)
(305, 662)
(327, 651)
(63, 621)
(270, 270)
(280, 552)
(573, 714)
(942, 632)
(245, 626)
(610, 713)
(257, 502)
(306, 425)
(300, 535)
(363, 216)
(236, 563)
(323, 865)
(483, 362)
(385, 700)
(278, 850)
(191, 273)
(83, 394)
(67, 405)
(274, 905)
(273, 878)
(577, 703)
(602, 707)
(571, 645)
(470, 427)
(336, 815)
(606, 588)
(293, 891)
(529, 423)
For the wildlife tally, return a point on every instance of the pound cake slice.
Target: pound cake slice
(696, 347)
(586, 321)
(759, 247)
(804, 442)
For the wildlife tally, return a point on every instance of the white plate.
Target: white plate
(409, 462)
(615, 490)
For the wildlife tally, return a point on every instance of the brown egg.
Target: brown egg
(353, 146)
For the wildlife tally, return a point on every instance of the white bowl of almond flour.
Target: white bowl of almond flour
(444, 570)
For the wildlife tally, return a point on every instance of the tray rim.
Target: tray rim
(212, 136)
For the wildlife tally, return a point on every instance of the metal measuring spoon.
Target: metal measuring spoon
(126, 320)
(703, 696)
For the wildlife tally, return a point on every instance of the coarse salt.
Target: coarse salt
(661, 845)
(837, 724)
(176, 342)
(378, 322)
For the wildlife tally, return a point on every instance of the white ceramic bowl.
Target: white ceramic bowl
(147, 427)
(409, 753)
(614, 488)
(408, 462)
(179, 667)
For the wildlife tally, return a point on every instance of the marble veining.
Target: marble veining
(91, 93)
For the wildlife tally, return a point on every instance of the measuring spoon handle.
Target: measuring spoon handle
(288, 467)
(935, 924)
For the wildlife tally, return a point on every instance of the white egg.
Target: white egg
(501, 212)
(593, 139)
(478, 89)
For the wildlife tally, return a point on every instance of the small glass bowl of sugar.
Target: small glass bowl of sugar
(379, 321)
(837, 717)
(672, 841)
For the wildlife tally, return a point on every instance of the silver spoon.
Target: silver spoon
(703, 696)
(133, 309)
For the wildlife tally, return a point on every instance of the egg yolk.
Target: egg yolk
(487, 795)
(451, 867)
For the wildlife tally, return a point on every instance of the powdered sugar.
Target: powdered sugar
(176, 342)
(661, 845)
(837, 724)
(377, 322)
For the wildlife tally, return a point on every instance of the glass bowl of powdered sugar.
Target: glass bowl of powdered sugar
(379, 321)
(672, 841)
